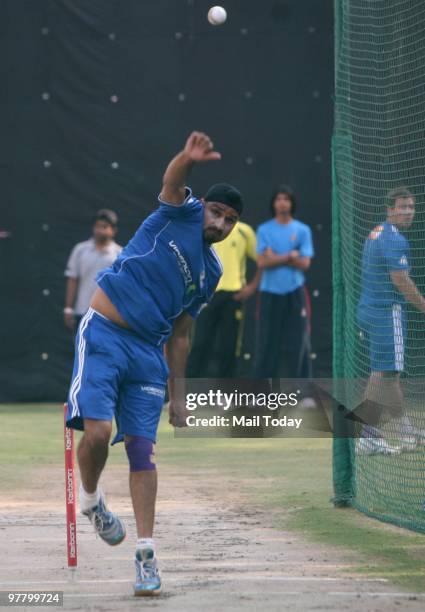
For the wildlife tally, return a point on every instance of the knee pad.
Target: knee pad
(140, 452)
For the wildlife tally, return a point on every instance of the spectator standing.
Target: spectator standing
(285, 250)
(86, 260)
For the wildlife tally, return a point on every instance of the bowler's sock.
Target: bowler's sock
(145, 543)
(88, 500)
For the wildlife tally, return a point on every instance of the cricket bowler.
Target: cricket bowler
(135, 336)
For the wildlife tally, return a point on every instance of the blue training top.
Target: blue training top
(283, 238)
(385, 249)
(165, 269)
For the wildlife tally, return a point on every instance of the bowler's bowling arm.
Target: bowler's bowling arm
(175, 178)
(198, 148)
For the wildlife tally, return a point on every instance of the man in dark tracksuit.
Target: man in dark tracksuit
(285, 249)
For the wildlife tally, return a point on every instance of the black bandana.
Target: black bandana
(225, 194)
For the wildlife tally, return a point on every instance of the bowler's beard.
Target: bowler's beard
(211, 236)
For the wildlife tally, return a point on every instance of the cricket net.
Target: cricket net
(378, 145)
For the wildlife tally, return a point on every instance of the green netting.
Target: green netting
(378, 144)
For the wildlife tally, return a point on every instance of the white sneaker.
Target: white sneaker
(365, 446)
(106, 524)
(148, 580)
(375, 446)
(386, 449)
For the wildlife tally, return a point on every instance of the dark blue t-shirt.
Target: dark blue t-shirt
(166, 268)
(384, 250)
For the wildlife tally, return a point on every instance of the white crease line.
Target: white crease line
(165, 559)
(375, 594)
(201, 578)
(201, 566)
(359, 594)
(82, 539)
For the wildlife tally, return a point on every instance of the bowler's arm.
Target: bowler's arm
(198, 148)
(176, 353)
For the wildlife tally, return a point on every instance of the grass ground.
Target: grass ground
(291, 477)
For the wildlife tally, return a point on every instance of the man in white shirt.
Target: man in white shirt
(86, 260)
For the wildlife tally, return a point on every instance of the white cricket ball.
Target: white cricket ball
(217, 15)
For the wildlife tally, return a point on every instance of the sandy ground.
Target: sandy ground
(216, 550)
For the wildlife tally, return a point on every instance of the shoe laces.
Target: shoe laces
(146, 568)
(101, 517)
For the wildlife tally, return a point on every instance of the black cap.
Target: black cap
(105, 214)
(225, 194)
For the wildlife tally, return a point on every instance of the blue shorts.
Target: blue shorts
(116, 374)
(385, 328)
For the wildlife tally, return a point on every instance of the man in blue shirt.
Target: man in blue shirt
(285, 249)
(386, 286)
(146, 302)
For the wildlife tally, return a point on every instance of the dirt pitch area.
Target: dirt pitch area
(217, 552)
